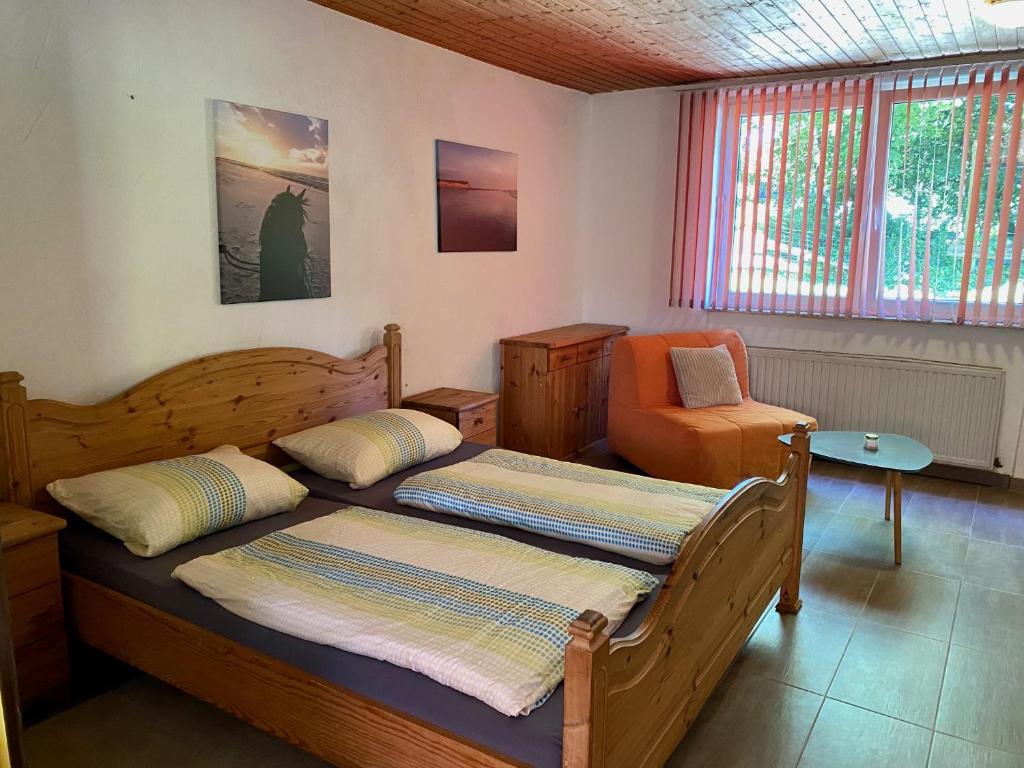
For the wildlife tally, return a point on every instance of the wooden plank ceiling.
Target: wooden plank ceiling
(610, 45)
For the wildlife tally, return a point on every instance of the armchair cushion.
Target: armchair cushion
(716, 447)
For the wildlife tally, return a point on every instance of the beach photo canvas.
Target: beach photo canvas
(477, 192)
(272, 204)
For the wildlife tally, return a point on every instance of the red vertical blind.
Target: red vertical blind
(884, 195)
(694, 177)
(783, 179)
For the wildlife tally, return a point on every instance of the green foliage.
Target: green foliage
(927, 176)
(929, 172)
(807, 207)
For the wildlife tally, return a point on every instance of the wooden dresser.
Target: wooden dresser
(554, 389)
(474, 414)
(32, 571)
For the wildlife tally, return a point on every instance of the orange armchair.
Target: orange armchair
(717, 446)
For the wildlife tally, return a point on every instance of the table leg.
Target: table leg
(888, 493)
(897, 513)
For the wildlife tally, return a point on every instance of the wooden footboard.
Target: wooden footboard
(334, 723)
(630, 700)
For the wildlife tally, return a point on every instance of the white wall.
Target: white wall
(108, 262)
(626, 236)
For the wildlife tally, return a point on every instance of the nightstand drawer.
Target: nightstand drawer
(489, 438)
(42, 666)
(31, 565)
(473, 413)
(477, 420)
(36, 615)
(449, 416)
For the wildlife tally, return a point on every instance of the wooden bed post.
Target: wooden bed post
(13, 440)
(789, 598)
(393, 342)
(586, 695)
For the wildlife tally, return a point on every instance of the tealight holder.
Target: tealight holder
(870, 442)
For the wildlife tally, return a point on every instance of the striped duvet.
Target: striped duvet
(639, 517)
(477, 612)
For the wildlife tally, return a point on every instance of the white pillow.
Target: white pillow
(364, 449)
(706, 376)
(158, 506)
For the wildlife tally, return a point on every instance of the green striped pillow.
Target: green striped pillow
(158, 506)
(364, 449)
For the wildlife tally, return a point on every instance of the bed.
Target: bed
(625, 701)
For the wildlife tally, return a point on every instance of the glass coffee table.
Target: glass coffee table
(896, 454)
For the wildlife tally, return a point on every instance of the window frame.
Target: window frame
(889, 96)
(803, 102)
(888, 92)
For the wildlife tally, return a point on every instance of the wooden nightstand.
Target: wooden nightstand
(475, 414)
(32, 570)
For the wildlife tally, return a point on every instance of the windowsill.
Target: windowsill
(790, 312)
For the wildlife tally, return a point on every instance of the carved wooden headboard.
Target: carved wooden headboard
(246, 398)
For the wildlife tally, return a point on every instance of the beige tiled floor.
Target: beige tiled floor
(918, 666)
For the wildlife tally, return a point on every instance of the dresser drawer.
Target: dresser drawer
(562, 357)
(36, 614)
(477, 420)
(590, 350)
(41, 666)
(31, 565)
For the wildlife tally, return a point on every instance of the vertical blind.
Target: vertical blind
(884, 195)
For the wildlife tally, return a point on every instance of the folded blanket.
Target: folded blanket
(480, 613)
(639, 517)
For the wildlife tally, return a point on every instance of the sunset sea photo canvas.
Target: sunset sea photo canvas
(477, 192)
(272, 204)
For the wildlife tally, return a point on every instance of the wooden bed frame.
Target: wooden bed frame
(628, 701)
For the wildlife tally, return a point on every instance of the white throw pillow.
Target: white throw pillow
(705, 376)
(158, 506)
(364, 449)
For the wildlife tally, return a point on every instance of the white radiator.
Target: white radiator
(953, 409)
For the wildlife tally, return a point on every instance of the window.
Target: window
(893, 196)
(952, 197)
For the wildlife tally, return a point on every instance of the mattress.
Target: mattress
(535, 739)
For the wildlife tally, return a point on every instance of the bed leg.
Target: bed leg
(789, 597)
(586, 679)
(14, 461)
